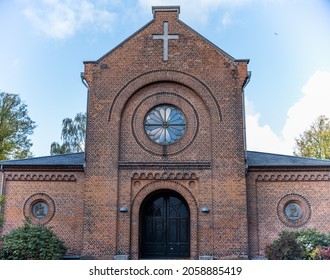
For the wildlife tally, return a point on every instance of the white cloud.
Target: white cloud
(315, 101)
(63, 18)
(226, 20)
(262, 138)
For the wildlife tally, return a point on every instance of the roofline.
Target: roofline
(71, 168)
(213, 45)
(11, 165)
(26, 159)
(293, 156)
(120, 44)
(170, 8)
(296, 166)
(280, 168)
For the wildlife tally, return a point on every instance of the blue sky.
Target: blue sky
(44, 43)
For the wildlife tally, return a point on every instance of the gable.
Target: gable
(165, 42)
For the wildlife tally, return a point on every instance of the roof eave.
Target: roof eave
(214, 45)
(287, 167)
(60, 168)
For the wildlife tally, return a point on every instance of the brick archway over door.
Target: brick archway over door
(164, 185)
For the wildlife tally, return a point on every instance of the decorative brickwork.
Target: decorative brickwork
(40, 177)
(165, 175)
(294, 177)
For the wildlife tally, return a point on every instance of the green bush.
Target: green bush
(310, 240)
(31, 242)
(284, 248)
(306, 244)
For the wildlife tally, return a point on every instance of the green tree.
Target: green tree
(315, 142)
(73, 136)
(15, 127)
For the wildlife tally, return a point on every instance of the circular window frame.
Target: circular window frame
(164, 125)
(170, 99)
(31, 202)
(305, 208)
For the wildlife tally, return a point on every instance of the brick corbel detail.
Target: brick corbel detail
(297, 177)
(41, 177)
(165, 175)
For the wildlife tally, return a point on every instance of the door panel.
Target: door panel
(165, 228)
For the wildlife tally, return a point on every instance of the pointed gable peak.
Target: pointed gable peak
(165, 9)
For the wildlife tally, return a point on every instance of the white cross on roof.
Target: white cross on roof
(165, 37)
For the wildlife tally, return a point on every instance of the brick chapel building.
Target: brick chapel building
(166, 174)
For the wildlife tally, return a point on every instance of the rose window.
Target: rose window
(165, 124)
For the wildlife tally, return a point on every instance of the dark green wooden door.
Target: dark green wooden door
(165, 228)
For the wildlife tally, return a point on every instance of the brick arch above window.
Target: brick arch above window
(179, 77)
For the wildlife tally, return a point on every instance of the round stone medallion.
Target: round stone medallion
(294, 210)
(39, 209)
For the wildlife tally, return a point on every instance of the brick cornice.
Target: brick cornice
(165, 165)
(293, 177)
(41, 177)
(165, 176)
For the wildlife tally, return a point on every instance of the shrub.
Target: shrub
(315, 254)
(324, 254)
(307, 244)
(310, 239)
(30, 242)
(284, 248)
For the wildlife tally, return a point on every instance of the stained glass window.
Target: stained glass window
(165, 124)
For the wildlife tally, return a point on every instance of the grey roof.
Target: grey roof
(254, 159)
(76, 159)
(260, 159)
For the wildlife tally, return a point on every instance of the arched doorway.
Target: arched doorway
(164, 227)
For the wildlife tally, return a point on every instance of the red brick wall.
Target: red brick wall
(266, 192)
(207, 85)
(64, 188)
